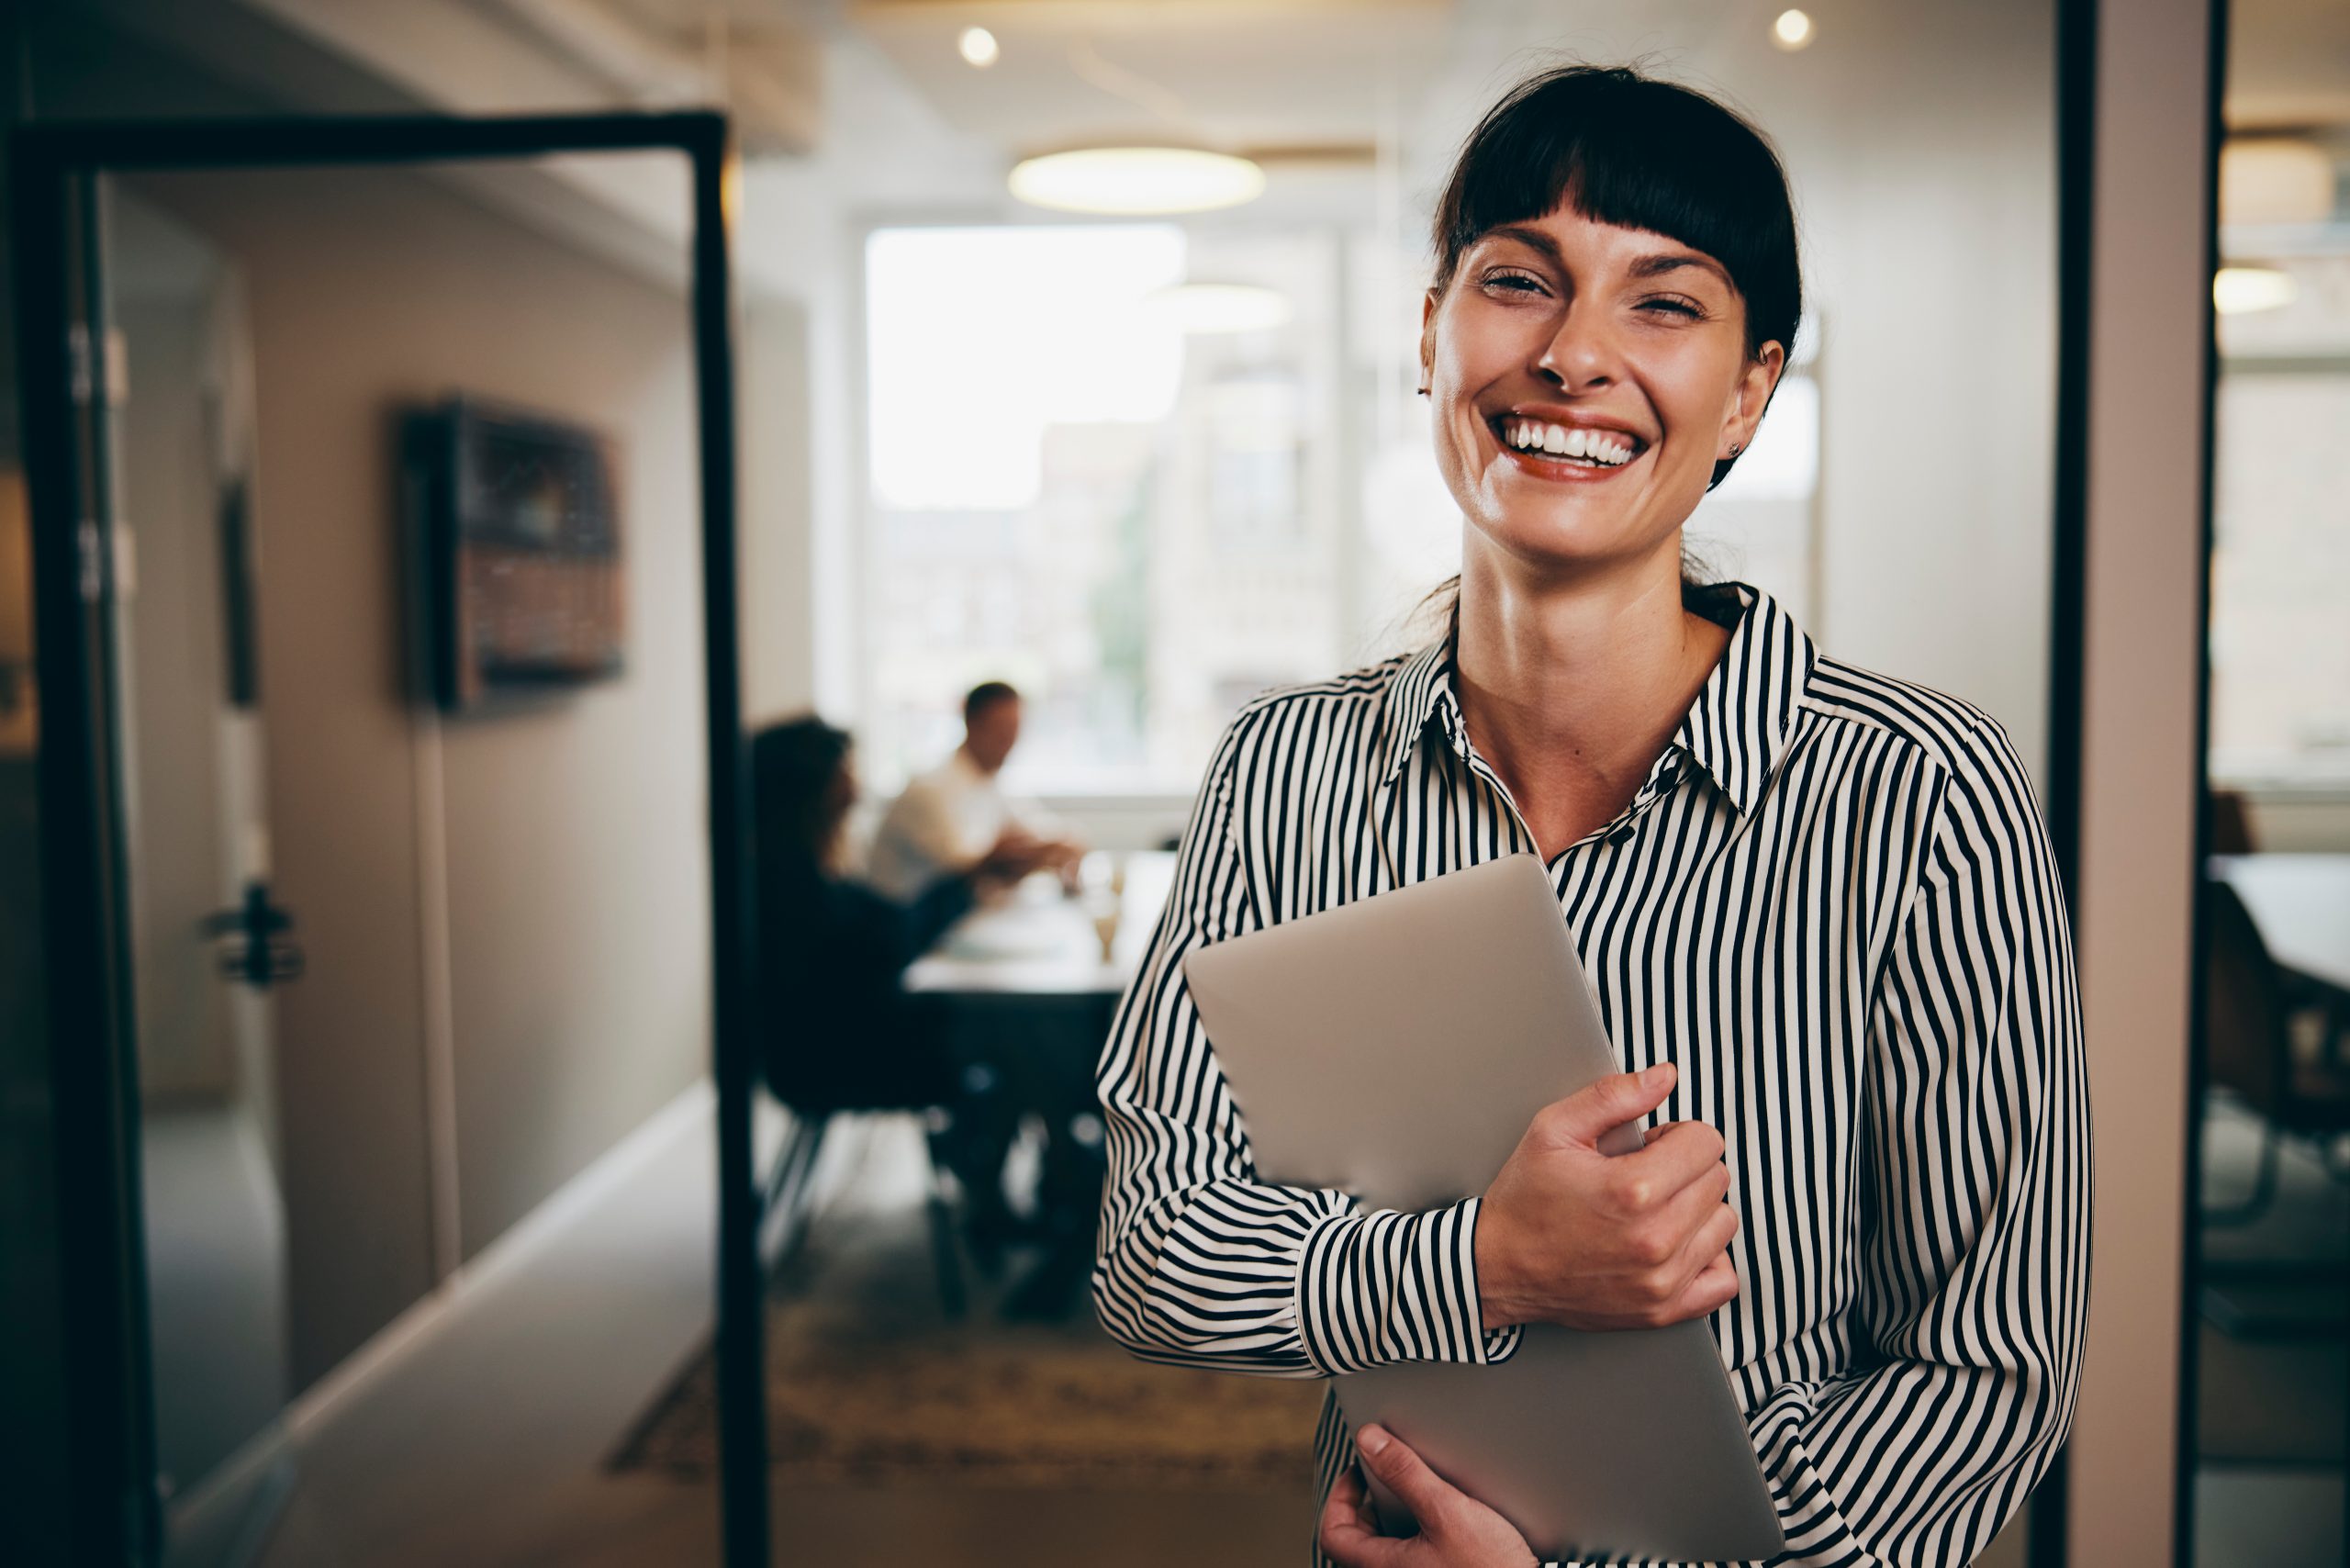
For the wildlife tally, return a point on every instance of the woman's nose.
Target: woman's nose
(1579, 352)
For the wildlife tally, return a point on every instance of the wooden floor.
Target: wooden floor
(484, 1444)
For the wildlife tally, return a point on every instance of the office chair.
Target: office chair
(2247, 1044)
(788, 1191)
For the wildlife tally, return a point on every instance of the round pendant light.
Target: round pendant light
(1136, 181)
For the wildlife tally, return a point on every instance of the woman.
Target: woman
(839, 1030)
(1818, 903)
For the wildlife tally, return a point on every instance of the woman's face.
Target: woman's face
(1585, 377)
(840, 796)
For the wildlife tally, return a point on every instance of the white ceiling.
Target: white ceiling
(1270, 73)
(1247, 74)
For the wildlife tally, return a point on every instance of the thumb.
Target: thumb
(1594, 1111)
(1405, 1473)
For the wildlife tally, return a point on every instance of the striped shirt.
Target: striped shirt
(1833, 904)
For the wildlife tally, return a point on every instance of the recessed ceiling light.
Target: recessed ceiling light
(1218, 307)
(1136, 180)
(2240, 291)
(1792, 30)
(979, 47)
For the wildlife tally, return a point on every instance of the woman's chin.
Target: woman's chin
(1568, 540)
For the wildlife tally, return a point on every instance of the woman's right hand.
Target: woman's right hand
(1569, 1234)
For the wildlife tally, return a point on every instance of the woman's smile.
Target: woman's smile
(1566, 448)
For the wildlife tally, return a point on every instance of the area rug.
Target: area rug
(867, 1384)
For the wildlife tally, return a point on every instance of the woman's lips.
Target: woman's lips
(1561, 470)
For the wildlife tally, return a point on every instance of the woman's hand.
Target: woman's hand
(1569, 1234)
(1014, 854)
(1456, 1530)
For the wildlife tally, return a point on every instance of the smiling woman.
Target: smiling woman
(1818, 903)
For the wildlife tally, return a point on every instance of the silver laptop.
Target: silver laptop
(1395, 1048)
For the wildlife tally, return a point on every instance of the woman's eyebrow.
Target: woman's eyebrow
(1530, 236)
(1664, 262)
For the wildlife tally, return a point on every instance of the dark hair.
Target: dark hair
(985, 694)
(793, 767)
(1626, 148)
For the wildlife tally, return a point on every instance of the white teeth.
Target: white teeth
(1561, 440)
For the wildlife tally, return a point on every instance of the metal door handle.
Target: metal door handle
(258, 952)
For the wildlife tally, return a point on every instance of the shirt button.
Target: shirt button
(1622, 835)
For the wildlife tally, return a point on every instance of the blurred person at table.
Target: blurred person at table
(838, 1030)
(951, 817)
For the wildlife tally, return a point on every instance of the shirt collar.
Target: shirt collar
(1736, 730)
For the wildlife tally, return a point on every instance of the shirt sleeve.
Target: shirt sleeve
(1199, 1262)
(921, 822)
(1975, 1161)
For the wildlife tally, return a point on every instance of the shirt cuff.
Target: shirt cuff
(1384, 1287)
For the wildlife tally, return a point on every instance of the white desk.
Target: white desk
(2301, 903)
(1044, 945)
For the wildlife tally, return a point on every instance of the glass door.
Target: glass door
(382, 513)
(209, 946)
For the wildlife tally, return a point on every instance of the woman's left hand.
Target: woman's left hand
(1456, 1530)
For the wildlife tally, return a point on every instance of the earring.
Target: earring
(1423, 391)
(1736, 447)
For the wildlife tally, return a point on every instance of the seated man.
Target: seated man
(951, 816)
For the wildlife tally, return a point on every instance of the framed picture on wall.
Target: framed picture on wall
(522, 589)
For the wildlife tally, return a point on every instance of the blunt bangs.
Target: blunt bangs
(1627, 150)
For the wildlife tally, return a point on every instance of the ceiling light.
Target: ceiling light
(1218, 307)
(1134, 180)
(1792, 30)
(2240, 291)
(2275, 179)
(979, 47)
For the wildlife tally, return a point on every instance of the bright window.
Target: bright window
(2280, 579)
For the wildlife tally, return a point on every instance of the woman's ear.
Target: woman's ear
(1429, 303)
(1756, 382)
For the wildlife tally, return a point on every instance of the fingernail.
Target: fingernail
(1373, 1441)
(1656, 1075)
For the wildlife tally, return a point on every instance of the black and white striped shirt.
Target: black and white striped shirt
(1832, 903)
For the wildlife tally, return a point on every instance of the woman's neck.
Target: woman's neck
(1571, 686)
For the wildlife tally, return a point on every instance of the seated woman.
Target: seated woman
(838, 1029)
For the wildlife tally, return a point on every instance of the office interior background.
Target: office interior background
(419, 1126)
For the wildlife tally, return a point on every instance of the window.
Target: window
(2280, 560)
(1131, 521)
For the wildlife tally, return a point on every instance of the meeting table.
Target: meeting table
(1031, 984)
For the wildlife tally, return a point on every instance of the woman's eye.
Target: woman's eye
(1514, 282)
(1681, 307)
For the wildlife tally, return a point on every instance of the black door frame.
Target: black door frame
(54, 171)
